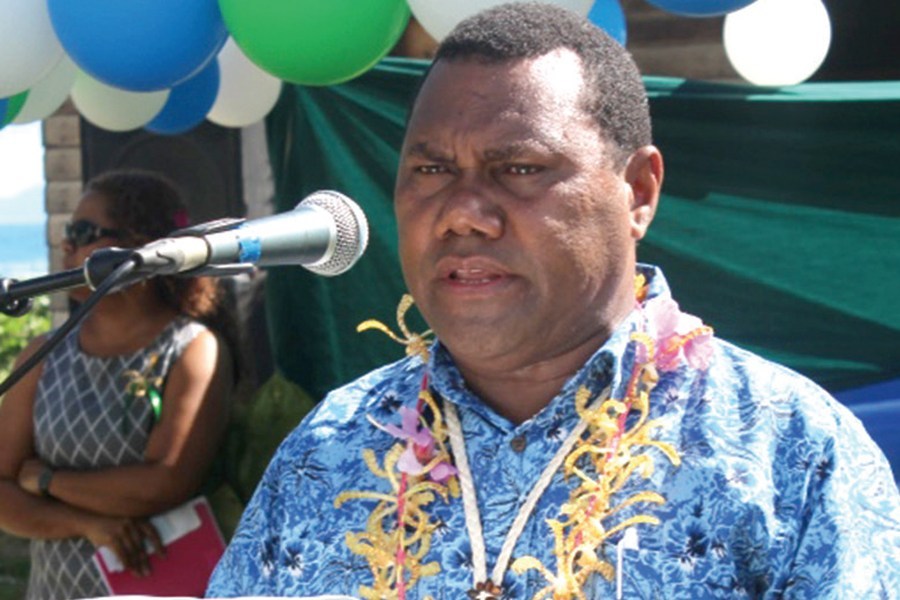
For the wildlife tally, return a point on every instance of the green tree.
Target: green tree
(16, 332)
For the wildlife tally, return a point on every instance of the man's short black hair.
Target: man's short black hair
(614, 92)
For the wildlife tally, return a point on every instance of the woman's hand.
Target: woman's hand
(127, 538)
(29, 474)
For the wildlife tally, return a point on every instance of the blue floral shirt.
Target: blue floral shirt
(780, 492)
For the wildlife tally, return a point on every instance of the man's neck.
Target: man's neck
(520, 393)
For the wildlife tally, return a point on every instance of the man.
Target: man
(571, 434)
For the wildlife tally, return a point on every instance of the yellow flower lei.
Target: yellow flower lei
(613, 454)
(399, 531)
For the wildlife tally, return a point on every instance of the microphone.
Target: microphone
(326, 233)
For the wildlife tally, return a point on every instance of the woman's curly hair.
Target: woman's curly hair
(147, 206)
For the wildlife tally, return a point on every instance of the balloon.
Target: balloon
(113, 108)
(608, 16)
(777, 42)
(188, 103)
(700, 8)
(246, 92)
(438, 17)
(139, 45)
(4, 105)
(12, 108)
(49, 93)
(315, 42)
(28, 46)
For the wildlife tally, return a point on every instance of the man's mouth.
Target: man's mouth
(473, 276)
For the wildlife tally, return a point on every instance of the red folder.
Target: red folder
(193, 545)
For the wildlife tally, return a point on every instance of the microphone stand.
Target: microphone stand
(105, 270)
(9, 299)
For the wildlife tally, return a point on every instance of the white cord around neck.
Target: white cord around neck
(470, 500)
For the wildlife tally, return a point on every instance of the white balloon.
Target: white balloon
(28, 45)
(246, 92)
(777, 42)
(49, 93)
(112, 108)
(438, 17)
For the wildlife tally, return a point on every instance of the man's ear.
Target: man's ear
(644, 174)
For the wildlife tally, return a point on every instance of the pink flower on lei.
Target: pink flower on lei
(419, 447)
(675, 334)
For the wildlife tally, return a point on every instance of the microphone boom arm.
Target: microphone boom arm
(153, 259)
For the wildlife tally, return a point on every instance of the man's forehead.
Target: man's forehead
(554, 79)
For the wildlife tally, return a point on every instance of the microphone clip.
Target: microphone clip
(202, 229)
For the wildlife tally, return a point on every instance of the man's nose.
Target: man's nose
(470, 207)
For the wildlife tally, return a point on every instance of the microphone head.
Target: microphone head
(351, 232)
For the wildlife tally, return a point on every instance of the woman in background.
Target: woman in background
(123, 419)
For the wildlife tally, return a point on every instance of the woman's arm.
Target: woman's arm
(21, 513)
(32, 515)
(179, 451)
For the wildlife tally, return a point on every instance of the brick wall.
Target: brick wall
(63, 174)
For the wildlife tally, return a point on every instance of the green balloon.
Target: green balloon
(315, 42)
(14, 104)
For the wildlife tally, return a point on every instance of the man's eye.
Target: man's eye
(430, 169)
(523, 169)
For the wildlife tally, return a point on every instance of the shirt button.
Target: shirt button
(518, 443)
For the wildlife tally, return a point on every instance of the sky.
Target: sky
(21, 174)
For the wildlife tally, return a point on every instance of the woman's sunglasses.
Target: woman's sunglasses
(83, 232)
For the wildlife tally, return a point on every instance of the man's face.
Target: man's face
(517, 234)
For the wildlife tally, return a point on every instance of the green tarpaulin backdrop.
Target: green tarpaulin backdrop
(779, 225)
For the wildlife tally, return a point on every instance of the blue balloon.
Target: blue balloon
(4, 103)
(700, 8)
(188, 103)
(139, 45)
(608, 16)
